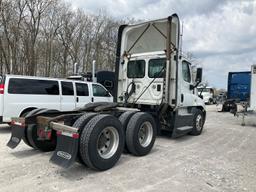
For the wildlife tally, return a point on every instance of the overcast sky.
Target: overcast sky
(221, 34)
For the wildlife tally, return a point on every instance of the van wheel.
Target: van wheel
(198, 123)
(124, 119)
(141, 134)
(102, 142)
(80, 123)
(42, 145)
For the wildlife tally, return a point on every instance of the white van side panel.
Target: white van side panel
(15, 104)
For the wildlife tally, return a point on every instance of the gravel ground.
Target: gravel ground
(223, 158)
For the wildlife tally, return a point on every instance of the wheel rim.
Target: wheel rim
(107, 142)
(145, 134)
(199, 122)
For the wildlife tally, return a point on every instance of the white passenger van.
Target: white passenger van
(21, 94)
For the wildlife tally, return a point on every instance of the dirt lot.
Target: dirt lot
(223, 158)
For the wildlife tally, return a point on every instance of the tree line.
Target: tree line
(47, 37)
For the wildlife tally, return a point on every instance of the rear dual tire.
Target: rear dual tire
(124, 119)
(80, 123)
(28, 114)
(141, 134)
(42, 145)
(31, 137)
(101, 142)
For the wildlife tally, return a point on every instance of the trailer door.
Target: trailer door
(67, 96)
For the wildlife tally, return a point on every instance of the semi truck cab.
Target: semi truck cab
(155, 93)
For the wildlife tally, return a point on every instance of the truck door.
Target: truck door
(101, 94)
(67, 96)
(82, 94)
(186, 94)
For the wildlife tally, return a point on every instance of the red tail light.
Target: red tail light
(1, 88)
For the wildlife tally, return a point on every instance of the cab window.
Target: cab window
(136, 69)
(99, 91)
(156, 68)
(186, 71)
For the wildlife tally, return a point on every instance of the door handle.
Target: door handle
(92, 99)
(182, 98)
(77, 99)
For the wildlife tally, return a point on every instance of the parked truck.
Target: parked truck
(154, 92)
(249, 107)
(208, 95)
(105, 78)
(238, 90)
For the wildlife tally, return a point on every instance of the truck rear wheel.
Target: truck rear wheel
(28, 114)
(102, 142)
(42, 145)
(198, 123)
(124, 119)
(80, 123)
(141, 134)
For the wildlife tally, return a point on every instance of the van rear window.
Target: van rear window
(33, 86)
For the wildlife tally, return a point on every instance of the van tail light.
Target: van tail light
(1, 88)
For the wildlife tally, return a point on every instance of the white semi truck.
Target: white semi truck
(207, 93)
(154, 92)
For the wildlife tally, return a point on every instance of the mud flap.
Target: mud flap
(66, 150)
(18, 133)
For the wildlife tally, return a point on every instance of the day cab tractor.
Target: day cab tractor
(154, 93)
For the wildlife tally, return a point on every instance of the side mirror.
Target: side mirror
(198, 80)
(199, 74)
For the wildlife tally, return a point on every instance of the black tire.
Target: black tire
(34, 111)
(124, 119)
(44, 145)
(198, 123)
(80, 123)
(28, 114)
(134, 128)
(89, 142)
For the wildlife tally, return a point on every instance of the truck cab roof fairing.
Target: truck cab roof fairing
(150, 36)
